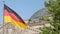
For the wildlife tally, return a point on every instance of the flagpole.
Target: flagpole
(3, 16)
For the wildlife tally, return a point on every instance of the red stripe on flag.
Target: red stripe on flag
(6, 13)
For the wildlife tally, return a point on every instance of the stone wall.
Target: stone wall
(10, 29)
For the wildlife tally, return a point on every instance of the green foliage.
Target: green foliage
(44, 18)
(46, 30)
(53, 7)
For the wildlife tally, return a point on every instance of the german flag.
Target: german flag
(12, 17)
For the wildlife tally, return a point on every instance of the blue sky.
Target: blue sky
(25, 8)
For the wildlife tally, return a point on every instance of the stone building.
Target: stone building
(33, 25)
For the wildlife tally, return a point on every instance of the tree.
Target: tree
(53, 7)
